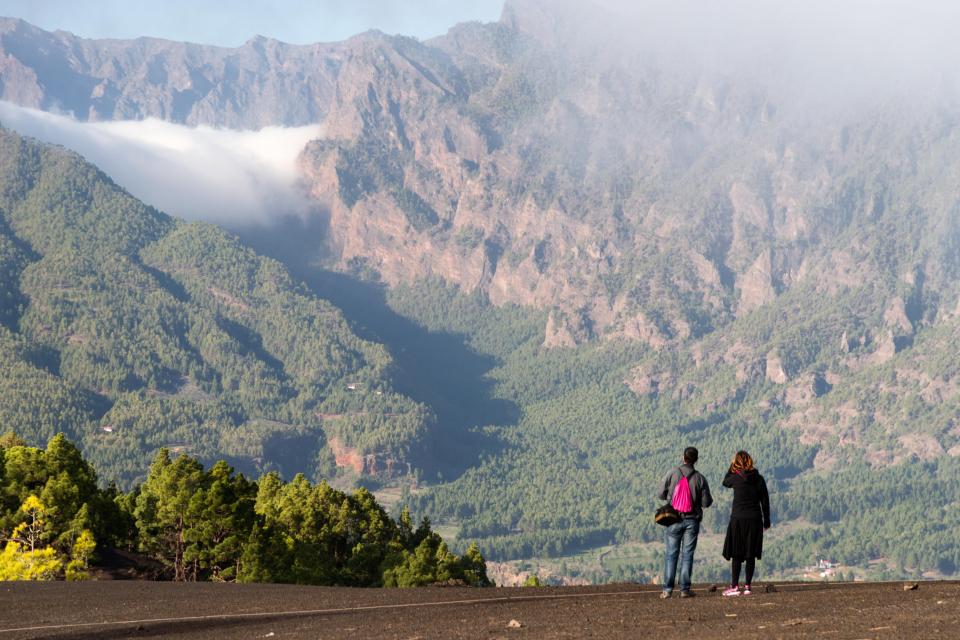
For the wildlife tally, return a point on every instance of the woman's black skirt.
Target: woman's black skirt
(744, 539)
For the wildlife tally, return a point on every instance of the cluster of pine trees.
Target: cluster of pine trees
(52, 513)
(210, 524)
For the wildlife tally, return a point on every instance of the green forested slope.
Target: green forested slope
(581, 467)
(130, 330)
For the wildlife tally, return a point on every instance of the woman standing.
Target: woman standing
(749, 518)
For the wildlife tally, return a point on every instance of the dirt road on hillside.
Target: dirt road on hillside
(155, 609)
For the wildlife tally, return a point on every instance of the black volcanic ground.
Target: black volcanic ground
(204, 610)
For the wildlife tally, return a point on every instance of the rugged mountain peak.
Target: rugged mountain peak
(9, 24)
(244, 87)
(527, 15)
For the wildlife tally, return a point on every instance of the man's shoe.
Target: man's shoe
(732, 591)
(665, 594)
(746, 590)
(687, 594)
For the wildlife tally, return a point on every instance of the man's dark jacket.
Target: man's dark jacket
(699, 489)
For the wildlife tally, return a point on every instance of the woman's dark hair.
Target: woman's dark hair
(742, 462)
(691, 455)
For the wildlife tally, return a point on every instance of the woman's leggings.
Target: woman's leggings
(735, 570)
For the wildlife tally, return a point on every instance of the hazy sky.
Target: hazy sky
(232, 23)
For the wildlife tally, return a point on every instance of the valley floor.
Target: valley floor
(153, 609)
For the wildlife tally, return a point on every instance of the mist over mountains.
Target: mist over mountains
(631, 227)
(237, 178)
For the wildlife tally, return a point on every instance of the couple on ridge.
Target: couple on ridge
(749, 518)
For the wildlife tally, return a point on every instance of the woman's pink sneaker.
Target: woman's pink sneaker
(746, 590)
(732, 591)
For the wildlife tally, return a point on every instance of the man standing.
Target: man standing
(681, 537)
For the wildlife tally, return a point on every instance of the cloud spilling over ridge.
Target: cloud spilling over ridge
(234, 178)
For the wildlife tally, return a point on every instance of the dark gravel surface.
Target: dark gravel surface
(119, 609)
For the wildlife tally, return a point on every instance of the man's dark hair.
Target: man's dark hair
(690, 455)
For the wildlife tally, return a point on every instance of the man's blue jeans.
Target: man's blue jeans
(681, 542)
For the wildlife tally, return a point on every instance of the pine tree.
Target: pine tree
(19, 563)
(23, 557)
(222, 515)
(32, 531)
(83, 549)
(163, 511)
(475, 567)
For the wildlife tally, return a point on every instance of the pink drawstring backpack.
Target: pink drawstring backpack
(682, 498)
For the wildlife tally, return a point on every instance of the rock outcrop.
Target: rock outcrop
(774, 370)
(756, 285)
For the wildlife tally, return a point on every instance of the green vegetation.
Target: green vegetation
(376, 163)
(130, 331)
(580, 468)
(418, 212)
(52, 513)
(210, 525)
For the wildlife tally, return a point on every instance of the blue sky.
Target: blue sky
(228, 23)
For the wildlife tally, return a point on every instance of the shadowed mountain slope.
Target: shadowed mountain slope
(131, 330)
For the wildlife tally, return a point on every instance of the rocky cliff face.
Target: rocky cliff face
(631, 199)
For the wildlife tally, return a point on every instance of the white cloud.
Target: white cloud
(235, 178)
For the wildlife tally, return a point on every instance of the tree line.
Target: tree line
(210, 524)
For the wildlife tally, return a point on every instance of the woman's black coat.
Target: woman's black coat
(750, 497)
